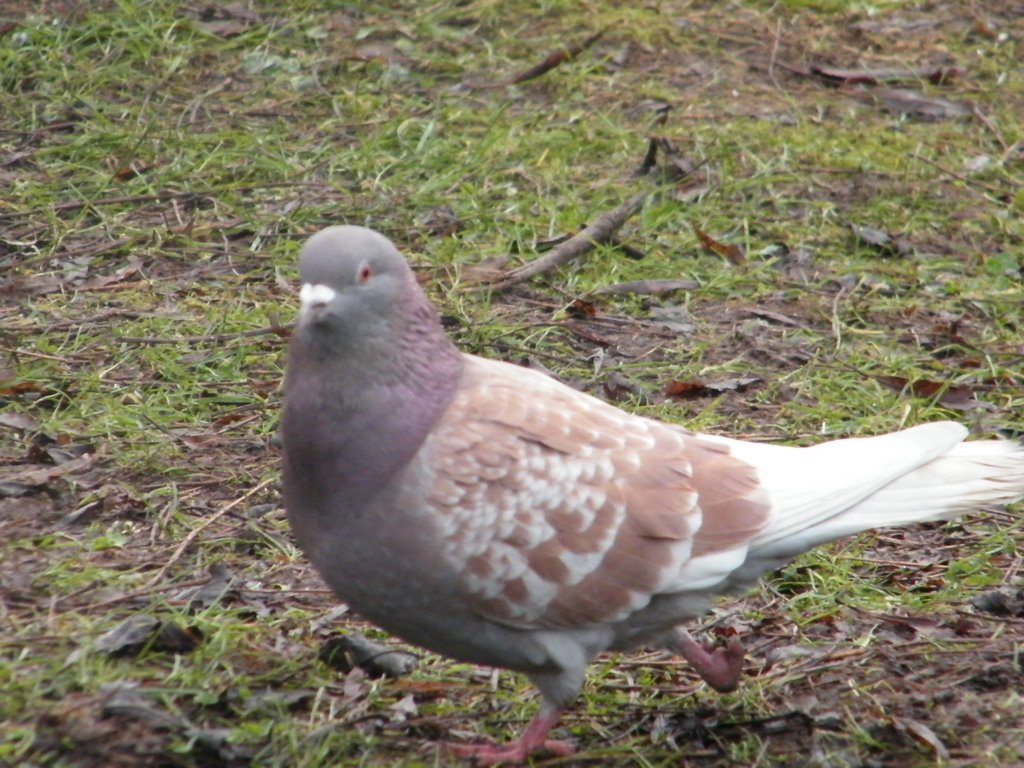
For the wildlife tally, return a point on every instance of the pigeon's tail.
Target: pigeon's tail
(831, 490)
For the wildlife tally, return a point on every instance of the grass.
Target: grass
(163, 168)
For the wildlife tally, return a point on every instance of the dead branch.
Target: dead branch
(601, 231)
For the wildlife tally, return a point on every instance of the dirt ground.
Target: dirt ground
(848, 686)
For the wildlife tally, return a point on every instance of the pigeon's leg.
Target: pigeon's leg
(534, 739)
(719, 666)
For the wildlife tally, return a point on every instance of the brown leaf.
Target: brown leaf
(685, 390)
(731, 251)
(133, 169)
(581, 309)
(950, 395)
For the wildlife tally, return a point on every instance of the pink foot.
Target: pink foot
(534, 739)
(720, 667)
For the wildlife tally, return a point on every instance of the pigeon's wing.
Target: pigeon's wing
(560, 510)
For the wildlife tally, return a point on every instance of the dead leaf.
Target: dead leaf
(131, 633)
(21, 422)
(910, 103)
(685, 390)
(38, 477)
(404, 708)
(882, 241)
(582, 309)
(949, 395)
(133, 169)
(351, 650)
(731, 251)
(141, 630)
(922, 734)
(674, 318)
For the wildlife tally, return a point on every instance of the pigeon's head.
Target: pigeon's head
(355, 284)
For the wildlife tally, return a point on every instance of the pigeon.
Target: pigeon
(494, 515)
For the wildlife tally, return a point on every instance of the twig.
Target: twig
(960, 177)
(194, 533)
(983, 119)
(775, 51)
(554, 59)
(600, 231)
(551, 61)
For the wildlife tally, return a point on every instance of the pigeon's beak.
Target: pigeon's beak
(313, 301)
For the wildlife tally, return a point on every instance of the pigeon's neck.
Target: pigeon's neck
(355, 418)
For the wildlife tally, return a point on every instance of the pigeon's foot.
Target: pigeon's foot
(534, 739)
(720, 666)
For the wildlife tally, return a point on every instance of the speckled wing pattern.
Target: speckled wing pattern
(560, 510)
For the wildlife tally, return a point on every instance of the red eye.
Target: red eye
(365, 273)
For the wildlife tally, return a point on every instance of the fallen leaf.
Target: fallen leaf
(42, 476)
(351, 650)
(674, 318)
(130, 634)
(581, 308)
(950, 395)
(696, 388)
(902, 101)
(922, 734)
(404, 708)
(731, 251)
(882, 241)
(21, 422)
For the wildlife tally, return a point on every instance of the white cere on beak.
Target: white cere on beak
(313, 298)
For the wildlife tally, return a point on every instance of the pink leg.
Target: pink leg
(720, 667)
(534, 739)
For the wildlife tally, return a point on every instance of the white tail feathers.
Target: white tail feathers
(838, 488)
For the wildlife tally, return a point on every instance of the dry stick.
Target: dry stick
(194, 533)
(556, 58)
(600, 231)
(551, 61)
(983, 119)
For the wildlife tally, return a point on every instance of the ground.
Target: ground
(838, 185)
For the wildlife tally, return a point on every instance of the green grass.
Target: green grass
(161, 173)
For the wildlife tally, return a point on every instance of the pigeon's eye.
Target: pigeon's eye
(364, 274)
